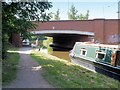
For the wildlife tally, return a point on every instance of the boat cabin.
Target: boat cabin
(107, 54)
(99, 58)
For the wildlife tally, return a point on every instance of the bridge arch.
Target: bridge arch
(64, 40)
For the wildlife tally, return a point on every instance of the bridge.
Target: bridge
(66, 32)
(64, 40)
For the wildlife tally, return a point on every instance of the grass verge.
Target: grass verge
(10, 66)
(61, 73)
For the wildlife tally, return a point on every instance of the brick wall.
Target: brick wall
(16, 40)
(106, 30)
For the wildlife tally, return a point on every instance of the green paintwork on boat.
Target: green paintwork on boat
(91, 52)
(100, 58)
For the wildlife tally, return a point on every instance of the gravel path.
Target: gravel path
(29, 73)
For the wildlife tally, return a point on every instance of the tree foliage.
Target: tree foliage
(84, 17)
(17, 17)
(87, 15)
(56, 15)
(73, 14)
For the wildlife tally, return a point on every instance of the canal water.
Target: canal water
(61, 54)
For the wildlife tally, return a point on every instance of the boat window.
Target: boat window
(100, 55)
(83, 51)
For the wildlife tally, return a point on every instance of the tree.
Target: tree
(87, 15)
(84, 17)
(56, 15)
(72, 14)
(17, 17)
(81, 17)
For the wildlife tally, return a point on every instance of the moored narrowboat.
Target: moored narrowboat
(100, 58)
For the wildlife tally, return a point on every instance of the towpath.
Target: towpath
(29, 73)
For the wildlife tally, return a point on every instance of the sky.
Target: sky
(97, 8)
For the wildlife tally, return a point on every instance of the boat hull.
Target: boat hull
(108, 70)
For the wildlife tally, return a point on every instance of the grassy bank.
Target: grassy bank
(10, 66)
(61, 73)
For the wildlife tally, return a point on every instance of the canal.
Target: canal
(61, 54)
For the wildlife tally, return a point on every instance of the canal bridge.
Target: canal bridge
(66, 32)
(64, 40)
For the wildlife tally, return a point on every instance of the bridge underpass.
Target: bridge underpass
(64, 40)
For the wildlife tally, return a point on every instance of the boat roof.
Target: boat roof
(99, 45)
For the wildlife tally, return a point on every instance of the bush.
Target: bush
(46, 43)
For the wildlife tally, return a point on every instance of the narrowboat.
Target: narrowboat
(99, 58)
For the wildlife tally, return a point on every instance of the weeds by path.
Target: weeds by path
(10, 66)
